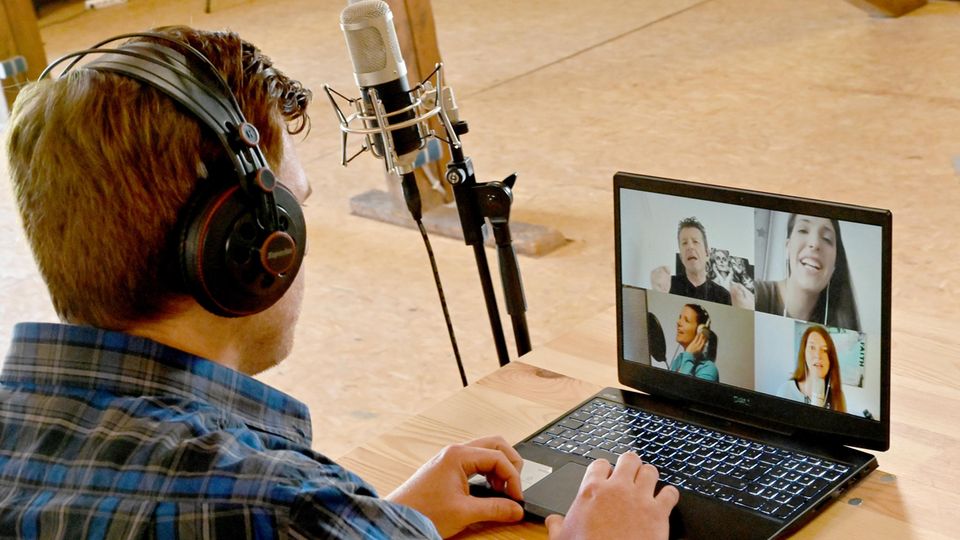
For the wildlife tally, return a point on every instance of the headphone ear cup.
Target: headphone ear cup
(223, 249)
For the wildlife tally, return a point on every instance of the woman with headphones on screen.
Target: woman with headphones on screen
(699, 343)
(816, 379)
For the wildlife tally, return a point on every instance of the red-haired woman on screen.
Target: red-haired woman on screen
(816, 379)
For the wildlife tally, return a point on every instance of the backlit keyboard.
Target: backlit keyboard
(770, 480)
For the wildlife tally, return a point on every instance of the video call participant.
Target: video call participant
(816, 379)
(818, 287)
(693, 282)
(699, 343)
(138, 416)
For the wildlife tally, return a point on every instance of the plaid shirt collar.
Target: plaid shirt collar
(81, 357)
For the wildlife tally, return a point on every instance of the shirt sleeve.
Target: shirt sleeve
(708, 371)
(332, 512)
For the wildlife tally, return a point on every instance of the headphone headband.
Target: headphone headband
(240, 249)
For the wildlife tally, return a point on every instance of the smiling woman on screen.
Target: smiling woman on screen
(817, 287)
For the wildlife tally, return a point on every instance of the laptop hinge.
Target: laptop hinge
(765, 426)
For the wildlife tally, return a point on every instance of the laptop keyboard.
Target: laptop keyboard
(770, 480)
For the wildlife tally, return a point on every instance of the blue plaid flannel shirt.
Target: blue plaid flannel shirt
(107, 435)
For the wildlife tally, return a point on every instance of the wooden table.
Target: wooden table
(914, 494)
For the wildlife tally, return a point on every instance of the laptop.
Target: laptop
(756, 328)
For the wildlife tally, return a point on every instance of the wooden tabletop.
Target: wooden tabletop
(915, 493)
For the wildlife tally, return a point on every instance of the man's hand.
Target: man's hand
(439, 489)
(741, 296)
(660, 279)
(618, 505)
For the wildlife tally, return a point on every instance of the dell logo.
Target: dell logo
(741, 400)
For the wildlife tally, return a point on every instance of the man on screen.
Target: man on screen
(693, 282)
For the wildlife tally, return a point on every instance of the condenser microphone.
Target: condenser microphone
(381, 74)
(819, 392)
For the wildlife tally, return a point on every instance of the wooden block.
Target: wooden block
(528, 239)
(888, 8)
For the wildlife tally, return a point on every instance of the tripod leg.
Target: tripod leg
(512, 285)
(490, 297)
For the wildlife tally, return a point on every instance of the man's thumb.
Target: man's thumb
(499, 509)
(553, 523)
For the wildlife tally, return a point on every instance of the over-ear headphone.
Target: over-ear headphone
(241, 244)
(703, 327)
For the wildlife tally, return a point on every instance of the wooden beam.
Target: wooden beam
(20, 35)
(417, 35)
(888, 8)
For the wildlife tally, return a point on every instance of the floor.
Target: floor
(814, 98)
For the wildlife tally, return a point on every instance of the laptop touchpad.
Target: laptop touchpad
(556, 492)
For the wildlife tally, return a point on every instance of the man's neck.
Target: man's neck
(195, 331)
(697, 278)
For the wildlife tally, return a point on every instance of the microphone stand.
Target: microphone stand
(475, 203)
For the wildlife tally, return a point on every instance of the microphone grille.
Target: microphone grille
(364, 11)
(365, 23)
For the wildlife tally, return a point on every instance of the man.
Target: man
(138, 417)
(692, 241)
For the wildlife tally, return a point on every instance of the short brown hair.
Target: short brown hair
(102, 166)
(693, 223)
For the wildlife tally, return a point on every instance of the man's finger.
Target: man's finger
(499, 443)
(486, 461)
(499, 509)
(668, 497)
(628, 464)
(598, 470)
(553, 522)
(647, 478)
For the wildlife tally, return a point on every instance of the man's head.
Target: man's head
(103, 166)
(692, 241)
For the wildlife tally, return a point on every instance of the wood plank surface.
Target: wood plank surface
(915, 493)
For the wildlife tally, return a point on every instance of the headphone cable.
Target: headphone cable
(412, 197)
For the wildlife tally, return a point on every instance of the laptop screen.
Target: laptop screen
(766, 308)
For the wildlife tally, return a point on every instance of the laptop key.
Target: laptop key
(542, 439)
(783, 497)
(581, 450)
(580, 415)
(705, 475)
(749, 475)
(784, 511)
(830, 476)
(582, 437)
(570, 423)
(602, 454)
(793, 489)
(791, 476)
(725, 493)
(809, 492)
(748, 500)
(729, 481)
